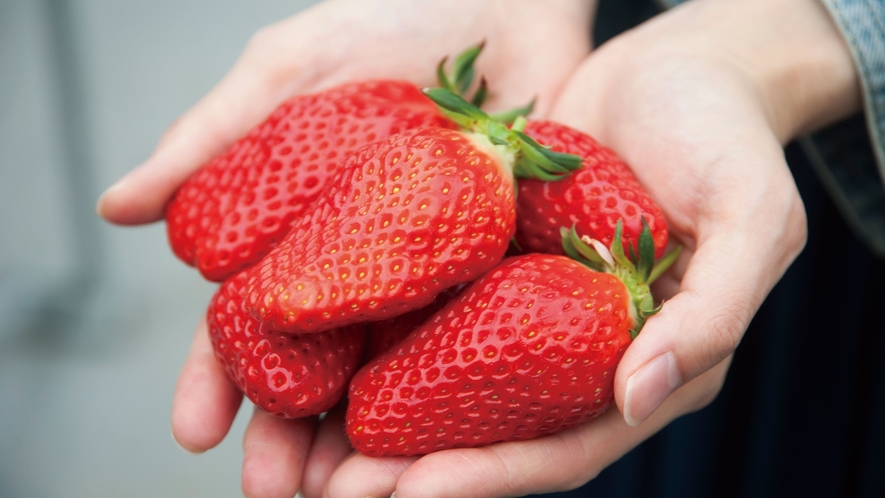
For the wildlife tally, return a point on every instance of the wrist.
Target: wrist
(794, 55)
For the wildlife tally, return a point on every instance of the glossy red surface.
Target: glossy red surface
(527, 350)
(592, 199)
(402, 221)
(237, 207)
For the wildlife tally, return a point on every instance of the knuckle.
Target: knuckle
(706, 396)
(786, 212)
(726, 330)
(712, 382)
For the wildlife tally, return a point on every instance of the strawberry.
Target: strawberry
(286, 375)
(402, 220)
(593, 199)
(234, 209)
(528, 349)
(383, 335)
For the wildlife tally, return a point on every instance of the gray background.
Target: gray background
(95, 320)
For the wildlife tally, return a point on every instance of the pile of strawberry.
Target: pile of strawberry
(360, 237)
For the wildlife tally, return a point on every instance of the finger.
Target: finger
(330, 447)
(361, 475)
(257, 83)
(205, 402)
(559, 462)
(274, 452)
(667, 285)
(729, 275)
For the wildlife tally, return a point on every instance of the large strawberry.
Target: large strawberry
(286, 375)
(403, 219)
(527, 350)
(233, 210)
(383, 335)
(593, 199)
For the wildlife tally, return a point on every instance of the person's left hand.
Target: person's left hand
(532, 47)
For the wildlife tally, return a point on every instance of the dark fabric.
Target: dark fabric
(616, 16)
(802, 412)
(844, 160)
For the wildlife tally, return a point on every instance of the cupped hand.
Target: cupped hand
(699, 102)
(531, 48)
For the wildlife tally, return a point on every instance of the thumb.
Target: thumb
(727, 278)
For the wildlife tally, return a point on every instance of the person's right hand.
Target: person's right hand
(532, 47)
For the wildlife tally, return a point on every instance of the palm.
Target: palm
(678, 121)
(532, 46)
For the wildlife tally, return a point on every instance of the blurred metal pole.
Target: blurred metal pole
(76, 142)
(52, 308)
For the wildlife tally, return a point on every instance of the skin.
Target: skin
(698, 100)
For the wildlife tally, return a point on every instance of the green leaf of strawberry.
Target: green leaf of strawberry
(636, 276)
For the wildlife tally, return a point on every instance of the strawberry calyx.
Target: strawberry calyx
(526, 157)
(636, 277)
(461, 76)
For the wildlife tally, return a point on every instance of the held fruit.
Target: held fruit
(529, 349)
(402, 220)
(233, 210)
(593, 198)
(286, 375)
(383, 335)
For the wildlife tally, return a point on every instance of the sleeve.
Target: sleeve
(849, 159)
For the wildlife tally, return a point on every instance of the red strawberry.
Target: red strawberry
(384, 335)
(403, 219)
(233, 210)
(230, 213)
(286, 375)
(593, 199)
(527, 350)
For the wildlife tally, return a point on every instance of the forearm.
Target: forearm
(792, 53)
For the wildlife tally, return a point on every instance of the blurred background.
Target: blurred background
(95, 320)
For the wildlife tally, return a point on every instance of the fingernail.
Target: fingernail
(393, 495)
(182, 447)
(649, 386)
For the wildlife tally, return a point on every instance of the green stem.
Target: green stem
(531, 159)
